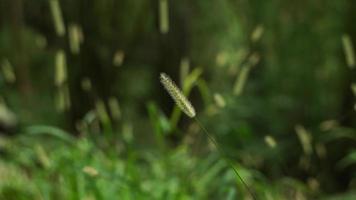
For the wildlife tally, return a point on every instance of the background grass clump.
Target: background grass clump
(83, 115)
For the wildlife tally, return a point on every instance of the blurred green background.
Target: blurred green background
(83, 114)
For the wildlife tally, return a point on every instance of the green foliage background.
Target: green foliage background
(298, 83)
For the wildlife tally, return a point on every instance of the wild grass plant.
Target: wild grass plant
(45, 162)
(271, 81)
(185, 105)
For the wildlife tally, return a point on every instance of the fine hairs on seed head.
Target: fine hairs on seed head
(184, 104)
(177, 95)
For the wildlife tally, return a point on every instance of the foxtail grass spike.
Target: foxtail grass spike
(219, 100)
(241, 80)
(60, 68)
(184, 104)
(74, 34)
(177, 95)
(57, 17)
(102, 112)
(60, 100)
(118, 58)
(257, 33)
(8, 71)
(349, 51)
(184, 70)
(353, 88)
(305, 139)
(163, 16)
(114, 108)
(270, 141)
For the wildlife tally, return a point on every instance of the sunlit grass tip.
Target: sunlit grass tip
(349, 50)
(177, 95)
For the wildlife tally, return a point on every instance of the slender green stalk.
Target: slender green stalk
(185, 105)
(224, 156)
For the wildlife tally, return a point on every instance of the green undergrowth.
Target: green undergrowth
(57, 166)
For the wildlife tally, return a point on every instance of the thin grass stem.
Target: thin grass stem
(224, 156)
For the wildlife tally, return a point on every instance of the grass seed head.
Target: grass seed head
(177, 95)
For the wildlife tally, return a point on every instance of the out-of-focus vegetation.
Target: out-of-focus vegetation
(83, 115)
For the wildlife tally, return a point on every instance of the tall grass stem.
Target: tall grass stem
(224, 156)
